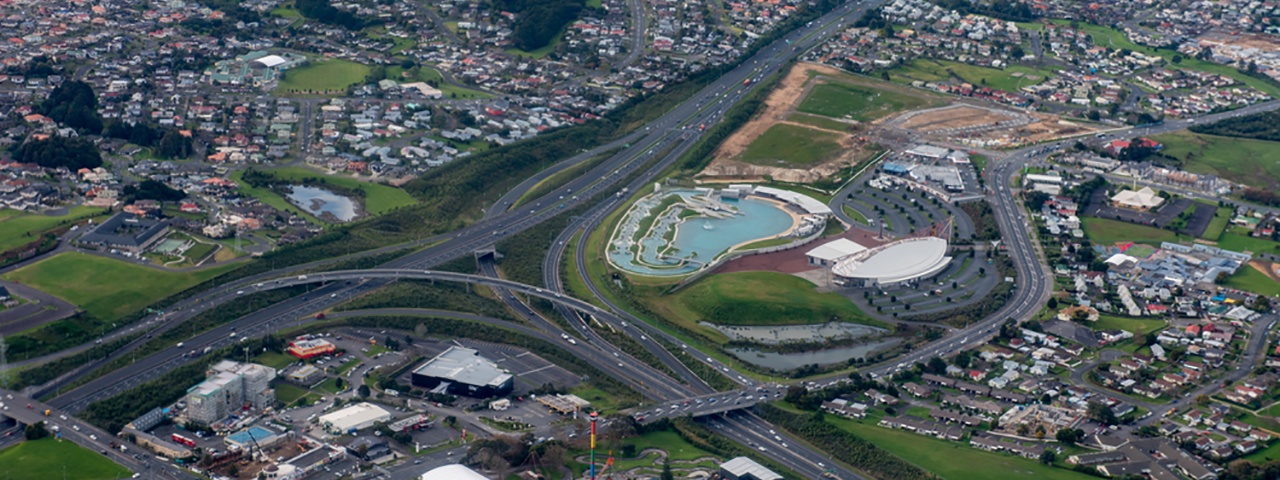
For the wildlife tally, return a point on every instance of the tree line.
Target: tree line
(321, 11)
(539, 22)
(850, 449)
(1260, 126)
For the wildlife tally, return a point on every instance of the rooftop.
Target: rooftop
(466, 366)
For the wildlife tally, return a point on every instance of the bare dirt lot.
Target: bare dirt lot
(779, 107)
(987, 126)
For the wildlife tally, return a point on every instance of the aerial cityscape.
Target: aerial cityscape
(639, 239)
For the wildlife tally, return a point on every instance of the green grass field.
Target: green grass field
(680, 451)
(791, 146)
(1104, 231)
(275, 360)
(378, 198)
(48, 458)
(105, 287)
(18, 228)
(1251, 280)
(762, 298)
(1010, 79)
(854, 214)
(288, 393)
(265, 195)
(840, 100)
(1238, 242)
(1138, 326)
(321, 76)
(952, 460)
(1221, 218)
(1252, 162)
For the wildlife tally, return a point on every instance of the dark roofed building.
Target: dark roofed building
(368, 448)
(126, 232)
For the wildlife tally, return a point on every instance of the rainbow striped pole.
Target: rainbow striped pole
(594, 416)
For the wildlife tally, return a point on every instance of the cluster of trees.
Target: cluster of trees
(539, 22)
(321, 11)
(153, 190)
(1011, 10)
(1261, 126)
(1247, 470)
(984, 220)
(857, 452)
(74, 104)
(165, 142)
(1258, 195)
(40, 66)
(72, 153)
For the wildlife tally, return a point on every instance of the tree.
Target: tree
(1101, 413)
(936, 366)
(363, 391)
(1053, 303)
(174, 145)
(74, 104)
(338, 383)
(666, 469)
(1048, 456)
(36, 431)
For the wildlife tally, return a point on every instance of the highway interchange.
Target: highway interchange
(641, 156)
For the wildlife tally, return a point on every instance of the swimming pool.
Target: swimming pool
(660, 235)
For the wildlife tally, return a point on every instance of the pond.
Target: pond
(790, 361)
(319, 202)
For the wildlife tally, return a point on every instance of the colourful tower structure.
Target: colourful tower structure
(594, 416)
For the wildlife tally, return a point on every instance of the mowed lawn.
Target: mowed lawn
(378, 198)
(764, 298)
(1105, 231)
(322, 75)
(18, 228)
(105, 287)
(1252, 162)
(792, 146)
(952, 460)
(864, 104)
(48, 458)
(1010, 79)
(1137, 326)
(1250, 279)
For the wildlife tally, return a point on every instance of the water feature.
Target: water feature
(318, 201)
(789, 361)
(696, 240)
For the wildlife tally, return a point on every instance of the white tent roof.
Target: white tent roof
(271, 61)
(452, 472)
(835, 250)
(1145, 198)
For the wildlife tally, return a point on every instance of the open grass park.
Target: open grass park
(857, 102)
(759, 298)
(792, 146)
(378, 198)
(683, 455)
(1105, 231)
(1251, 280)
(50, 458)
(1252, 162)
(951, 460)
(321, 76)
(1137, 326)
(1009, 79)
(19, 228)
(107, 288)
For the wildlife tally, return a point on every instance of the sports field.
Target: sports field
(18, 228)
(49, 458)
(1252, 162)
(105, 287)
(760, 298)
(861, 103)
(793, 146)
(378, 198)
(1010, 79)
(322, 76)
(1104, 231)
(1232, 240)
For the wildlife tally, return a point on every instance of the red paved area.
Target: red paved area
(793, 260)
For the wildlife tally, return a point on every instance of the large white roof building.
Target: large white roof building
(356, 417)
(1145, 199)
(452, 472)
(894, 263)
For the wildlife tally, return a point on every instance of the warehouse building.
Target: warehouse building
(356, 417)
(743, 468)
(462, 371)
